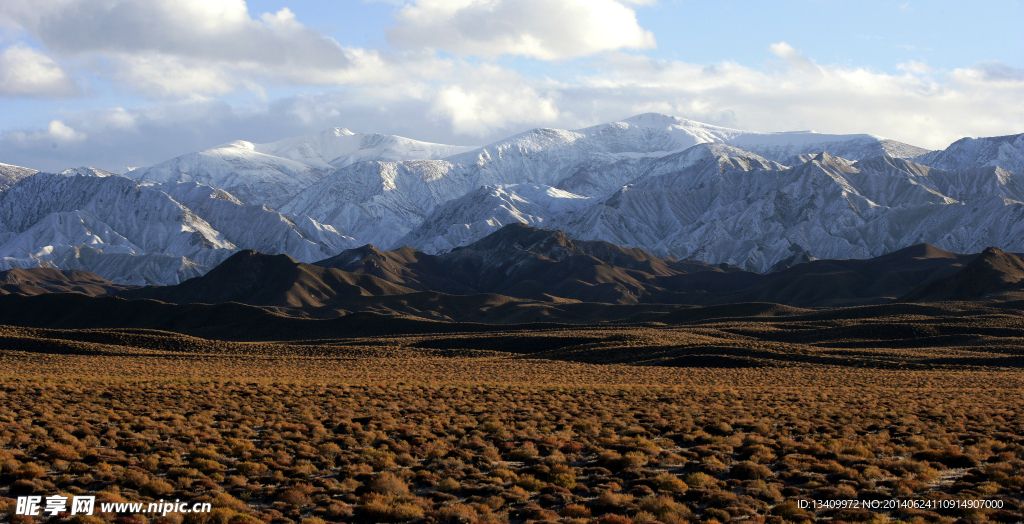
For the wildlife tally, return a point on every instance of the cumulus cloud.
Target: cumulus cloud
(925, 110)
(25, 72)
(796, 59)
(113, 139)
(58, 130)
(914, 67)
(179, 48)
(218, 30)
(460, 101)
(492, 98)
(543, 29)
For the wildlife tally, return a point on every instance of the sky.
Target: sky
(123, 83)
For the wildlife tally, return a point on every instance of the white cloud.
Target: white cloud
(482, 111)
(914, 67)
(58, 130)
(466, 102)
(215, 30)
(925, 110)
(796, 59)
(180, 48)
(26, 72)
(479, 100)
(543, 29)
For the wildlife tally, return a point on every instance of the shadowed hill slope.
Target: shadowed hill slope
(254, 278)
(38, 280)
(993, 272)
(839, 283)
(535, 273)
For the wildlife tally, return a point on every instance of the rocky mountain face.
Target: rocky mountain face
(523, 265)
(40, 280)
(273, 173)
(666, 185)
(130, 233)
(993, 272)
(1007, 152)
(10, 175)
(382, 202)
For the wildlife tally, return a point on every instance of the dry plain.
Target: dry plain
(731, 413)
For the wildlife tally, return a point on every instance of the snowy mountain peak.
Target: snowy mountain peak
(836, 162)
(87, 171)
(10, 175)
(238, 144)
(1006, 152)
(660, 121)
(338, 147)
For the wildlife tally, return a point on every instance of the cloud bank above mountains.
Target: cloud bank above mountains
(134, 82)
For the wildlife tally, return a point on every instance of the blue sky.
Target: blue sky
(878, 34)
(117, 83)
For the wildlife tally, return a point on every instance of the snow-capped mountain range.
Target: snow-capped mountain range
(273, 173)
(664, 184)
(10, 175)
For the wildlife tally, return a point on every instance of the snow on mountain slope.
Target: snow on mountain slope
(479, 212)
(964, 184)
(338, 147)
(133, 269)
(662, 183)
(380, 202)
(273, 173)
(10, 175)
(826, 208)
(259, 227)
(253, 177)
(483, 211)
(1006, 152)
(149, 217)
(669, 133)
(87, 171)
(173, 231)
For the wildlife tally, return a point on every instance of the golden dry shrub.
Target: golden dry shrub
(251, 469)
(30, 471)
(614, 519)
(375, 509)
(56, 450)
(449, 485)
(644, 517)
(575, 511)
(750, 470)
(700, 480)
(504, 474)
(239, 446)
(294, 497)
(790, 511)
(530, 483)
(527, 451)
(457, 513)
(516, 494)
(716, 515)
(670, 483)
(157, 488)
(609, 499)
(404, 512)
(338, 510)
(225, 500)
(388, 483)
(663, 506)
